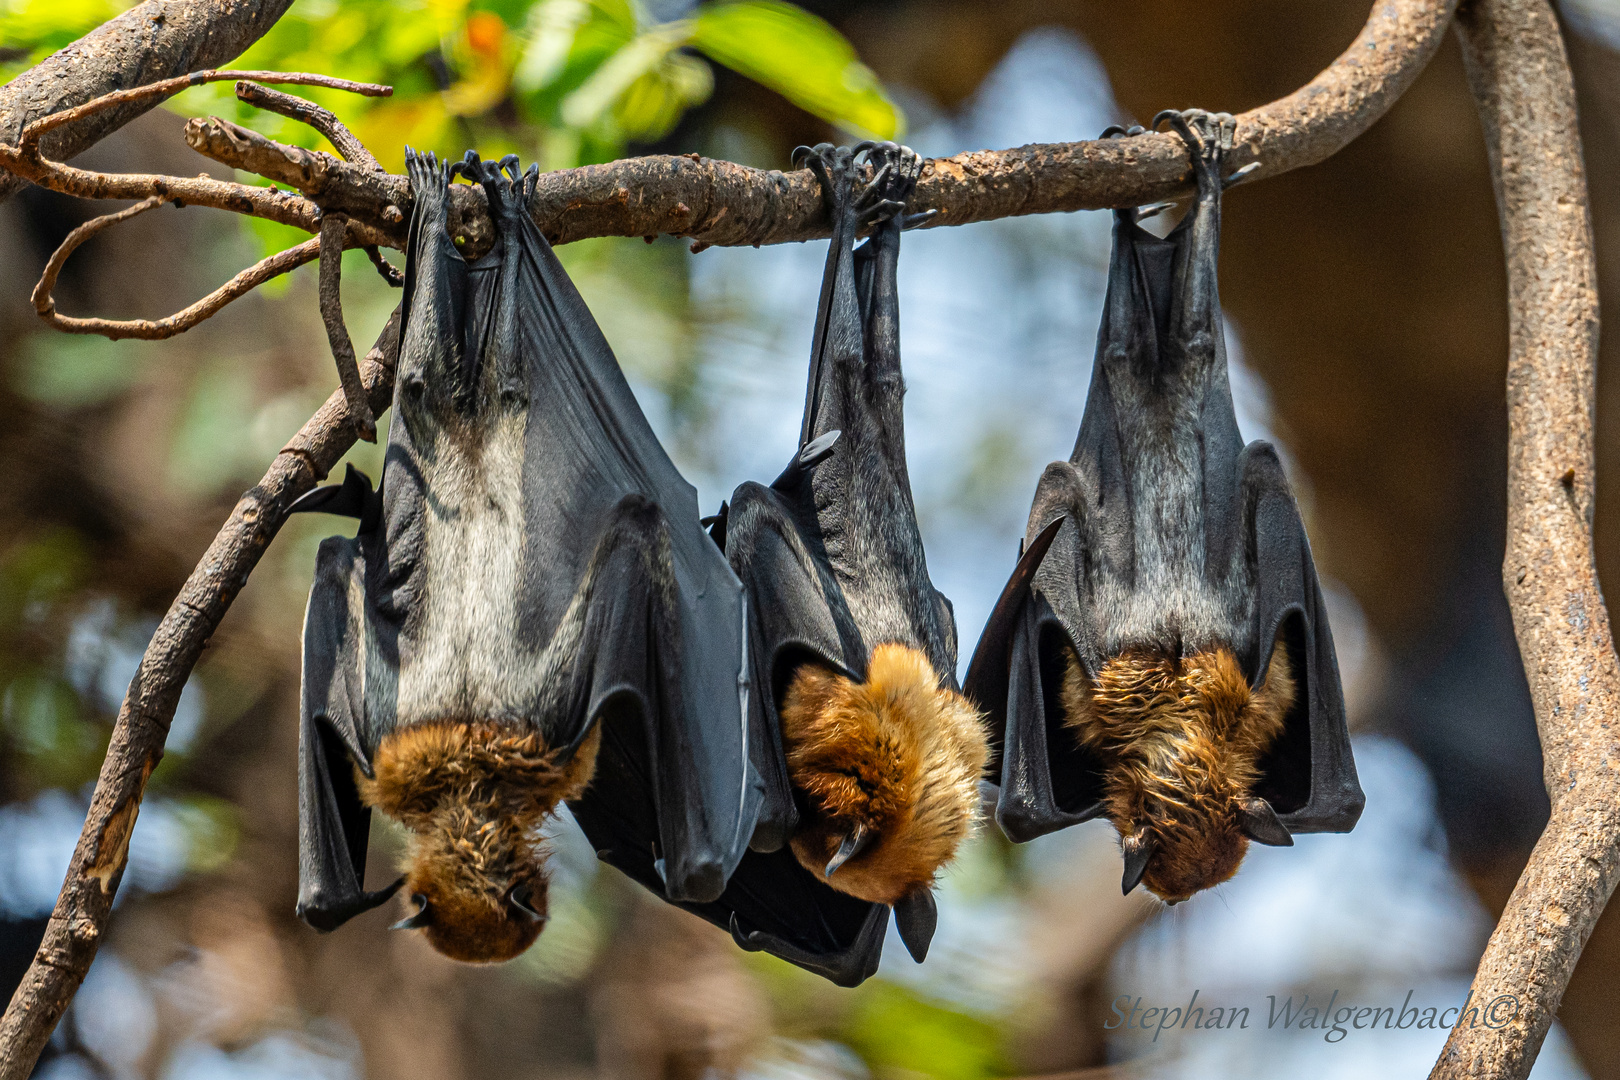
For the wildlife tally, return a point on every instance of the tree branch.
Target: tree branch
(75, 928)
(1521, 81)
(156, 329)
(333, 229)
(149, 42)
(322, 120)
(718, 202)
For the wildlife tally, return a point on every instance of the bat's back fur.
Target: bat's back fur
(1169, 712)
(899, 753)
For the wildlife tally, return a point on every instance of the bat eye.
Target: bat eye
(422, 918)
(521, 899)
(414, 386)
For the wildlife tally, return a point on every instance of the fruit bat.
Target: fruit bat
(1161, 653)
(872, 757)
(530, 611)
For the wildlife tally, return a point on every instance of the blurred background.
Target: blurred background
(1366, 312)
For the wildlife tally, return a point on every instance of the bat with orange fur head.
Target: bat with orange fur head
(874, 757)
(529, 613)
(1161, 654)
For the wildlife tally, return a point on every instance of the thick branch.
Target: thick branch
(75, 927)
(717, 202)
(149, 42)
(1520, 76)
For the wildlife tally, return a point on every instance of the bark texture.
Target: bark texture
(1520, 76)
(151, 41)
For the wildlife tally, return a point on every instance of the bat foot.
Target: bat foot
(895, 170)
(430, 186)
(503, 184)
(1209, 136)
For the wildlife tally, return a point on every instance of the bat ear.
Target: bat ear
(915, 916)
(1138, 851)
(423, 916)
(1260, 823)
(855, 843)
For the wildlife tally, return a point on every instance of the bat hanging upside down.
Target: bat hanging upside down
(873, 759)
(529, 613)
(1161, 654)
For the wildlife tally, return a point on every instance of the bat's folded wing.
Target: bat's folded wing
(332, 821)
(770, 902)
(1308, 776)
(1047, 781)
(661, 663)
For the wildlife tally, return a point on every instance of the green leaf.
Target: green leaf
(609, 82)
(802, 58)
(552, 25)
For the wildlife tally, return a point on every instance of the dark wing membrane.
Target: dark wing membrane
(1309, 776)
(770, 904)
(988, 672)
(666, 626)
(1048, 781)
(332, 823)
(791, 620)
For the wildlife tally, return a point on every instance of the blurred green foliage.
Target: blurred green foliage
(567, 82)
(45, 728)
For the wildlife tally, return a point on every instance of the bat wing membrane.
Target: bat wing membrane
(1308, 776)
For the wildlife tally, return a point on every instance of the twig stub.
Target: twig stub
(333, 227)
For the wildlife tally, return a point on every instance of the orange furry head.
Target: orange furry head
(1180, 740)
(895, 759)
(474, 796)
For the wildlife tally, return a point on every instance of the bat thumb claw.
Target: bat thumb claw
(423, 916)
(855, 843)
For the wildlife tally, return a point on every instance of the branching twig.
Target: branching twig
(354, 391)
(151, 41)
(27, 160)
(156, 329)
(390, 273)
(1521, 81)
(322, 120)
(28, 145)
